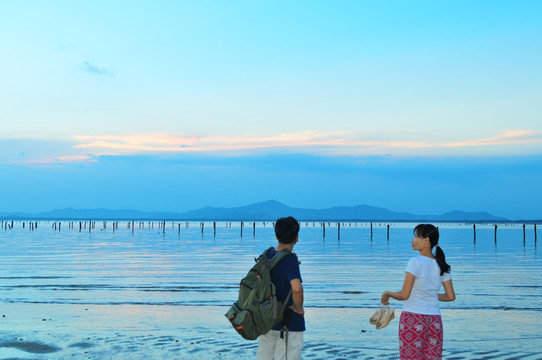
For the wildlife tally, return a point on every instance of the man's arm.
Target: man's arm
(297, 296)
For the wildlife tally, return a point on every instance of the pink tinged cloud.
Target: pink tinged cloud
(515, 137)
(309, 142)
(313, 141)
(135, 143)
(60, 160)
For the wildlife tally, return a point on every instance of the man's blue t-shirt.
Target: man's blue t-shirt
(281, 275)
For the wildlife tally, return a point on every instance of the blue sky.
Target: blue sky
(416, 106)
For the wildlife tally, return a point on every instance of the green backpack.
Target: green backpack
(257, 309)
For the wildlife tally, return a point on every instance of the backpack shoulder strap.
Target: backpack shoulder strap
(281, 255)
(272, 262)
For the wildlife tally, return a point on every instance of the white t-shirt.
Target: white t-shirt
(424, 296)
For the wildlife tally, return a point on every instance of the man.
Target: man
(285, 276)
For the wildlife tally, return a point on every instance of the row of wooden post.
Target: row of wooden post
(32, 225)
(524, 235)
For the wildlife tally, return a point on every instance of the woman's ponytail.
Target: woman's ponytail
(431, 232)
(441, 261)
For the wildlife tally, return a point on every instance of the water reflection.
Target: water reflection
(202, 263)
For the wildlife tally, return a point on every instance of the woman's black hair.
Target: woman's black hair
(431, 232)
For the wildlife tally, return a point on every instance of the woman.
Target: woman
(420, 325)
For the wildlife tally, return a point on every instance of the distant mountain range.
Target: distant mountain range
(263, 211)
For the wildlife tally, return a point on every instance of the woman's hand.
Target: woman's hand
(399, 295)
(385, 299)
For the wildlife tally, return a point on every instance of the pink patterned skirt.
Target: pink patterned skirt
(420, 336)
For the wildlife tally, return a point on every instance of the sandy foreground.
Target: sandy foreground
(58, 331)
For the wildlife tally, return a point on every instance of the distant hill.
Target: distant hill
(262, 211)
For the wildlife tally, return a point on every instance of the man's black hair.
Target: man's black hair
(286, 230)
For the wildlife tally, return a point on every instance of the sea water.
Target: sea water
(344, 266)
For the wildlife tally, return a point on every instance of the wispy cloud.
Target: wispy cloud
(40, 152)
(338, 142)
(93, 69)
(512, 137)
(135, 143)
(84, 63)
(60, 160)
(84, 149)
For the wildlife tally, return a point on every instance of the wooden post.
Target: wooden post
(534, 234)
(214, 228)
(388, 235)
(242, 228)
(339, 231)
(324, 229)
(523, 234)
(202, 225)
(495, 233)
(254, 229)
(474, 231)
(371, 231)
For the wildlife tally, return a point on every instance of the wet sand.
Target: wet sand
(57, 331)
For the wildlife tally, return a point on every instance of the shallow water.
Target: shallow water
(181, 265)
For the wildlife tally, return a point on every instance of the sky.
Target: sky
(416, 106)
